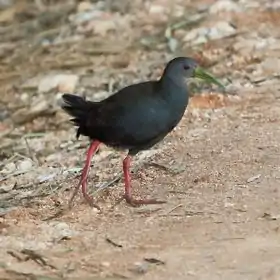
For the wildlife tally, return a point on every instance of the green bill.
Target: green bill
(202, 74)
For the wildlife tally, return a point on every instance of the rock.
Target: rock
(25, 165)
(173, 44)
(253, 178)
(244, 46)
(83, 17)
(271, 65)
(9, 168)
(255, 43)
(84, 6)
(103, 23)
(140, 267)
(220, 30)
(102, 27)
(46, 177)
(6, 189)
(105, 264)
(7, 15)
(250, 4)
(157, 9)
(203, 34)
(31, 84)
(62, 230)
(224, 6)
(6, 3)
(273, 5)
(61, 82)
(196, 36)
(56, 231)
(38, 108)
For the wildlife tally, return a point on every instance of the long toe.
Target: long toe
(138, 202)
(89, 200)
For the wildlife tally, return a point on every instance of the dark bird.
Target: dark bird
(136, 117)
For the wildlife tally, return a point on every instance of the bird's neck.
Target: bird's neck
(173, 81)
(174, 91)
(173, 84)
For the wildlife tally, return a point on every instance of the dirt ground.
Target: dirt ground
(219, 170)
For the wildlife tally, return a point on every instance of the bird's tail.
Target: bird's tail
(79, 108)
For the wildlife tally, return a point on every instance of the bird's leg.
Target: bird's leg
(83, 181)
(127, 182)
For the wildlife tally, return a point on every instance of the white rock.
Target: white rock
(250, 4)
(157, 9)
(224, 6)
(9, 168)
(6, 3)
(102, 27)
(220, 30)
(25, 165)
(84, 6)
(24, 96)
(86, 16)
(63, 82)
(203, 34)
(197, 36)
(245, 45)
(57, 230)
(271, 65)
(6, 188)
(256, 43)
(46, 177)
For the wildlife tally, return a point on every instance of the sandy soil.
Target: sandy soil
(221, 220)
(219, 172)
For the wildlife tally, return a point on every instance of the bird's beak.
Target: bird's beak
(202, 74)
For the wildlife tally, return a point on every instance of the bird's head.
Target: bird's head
(185, 67)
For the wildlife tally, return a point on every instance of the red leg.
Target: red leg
(127, 182)
(127, 179)
(83, 181)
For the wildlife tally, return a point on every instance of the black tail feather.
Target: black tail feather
(79, 108)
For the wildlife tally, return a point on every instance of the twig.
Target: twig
(30, 255)
(178, 192)
(171, 210)
(5, 162)
(5, 133)
(16, 173)
(16, 256)
(30, 153)
(36, 257)
(110, 241)
(159, 166)
(165, 214)
(58, 214)
(154, 261)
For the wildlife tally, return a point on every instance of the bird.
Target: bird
(135, 118)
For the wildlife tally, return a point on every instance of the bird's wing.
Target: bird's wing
(116, 106)
(134, 115)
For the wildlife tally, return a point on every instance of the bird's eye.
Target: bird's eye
(186, 67)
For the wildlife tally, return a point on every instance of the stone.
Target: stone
(61, 82)
(271, 65)
(25, 165)
(84, 6)
(203, 34)
(224, 6)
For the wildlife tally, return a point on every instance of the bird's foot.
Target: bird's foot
(88, 199)
(138, 202)
(90, 202)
